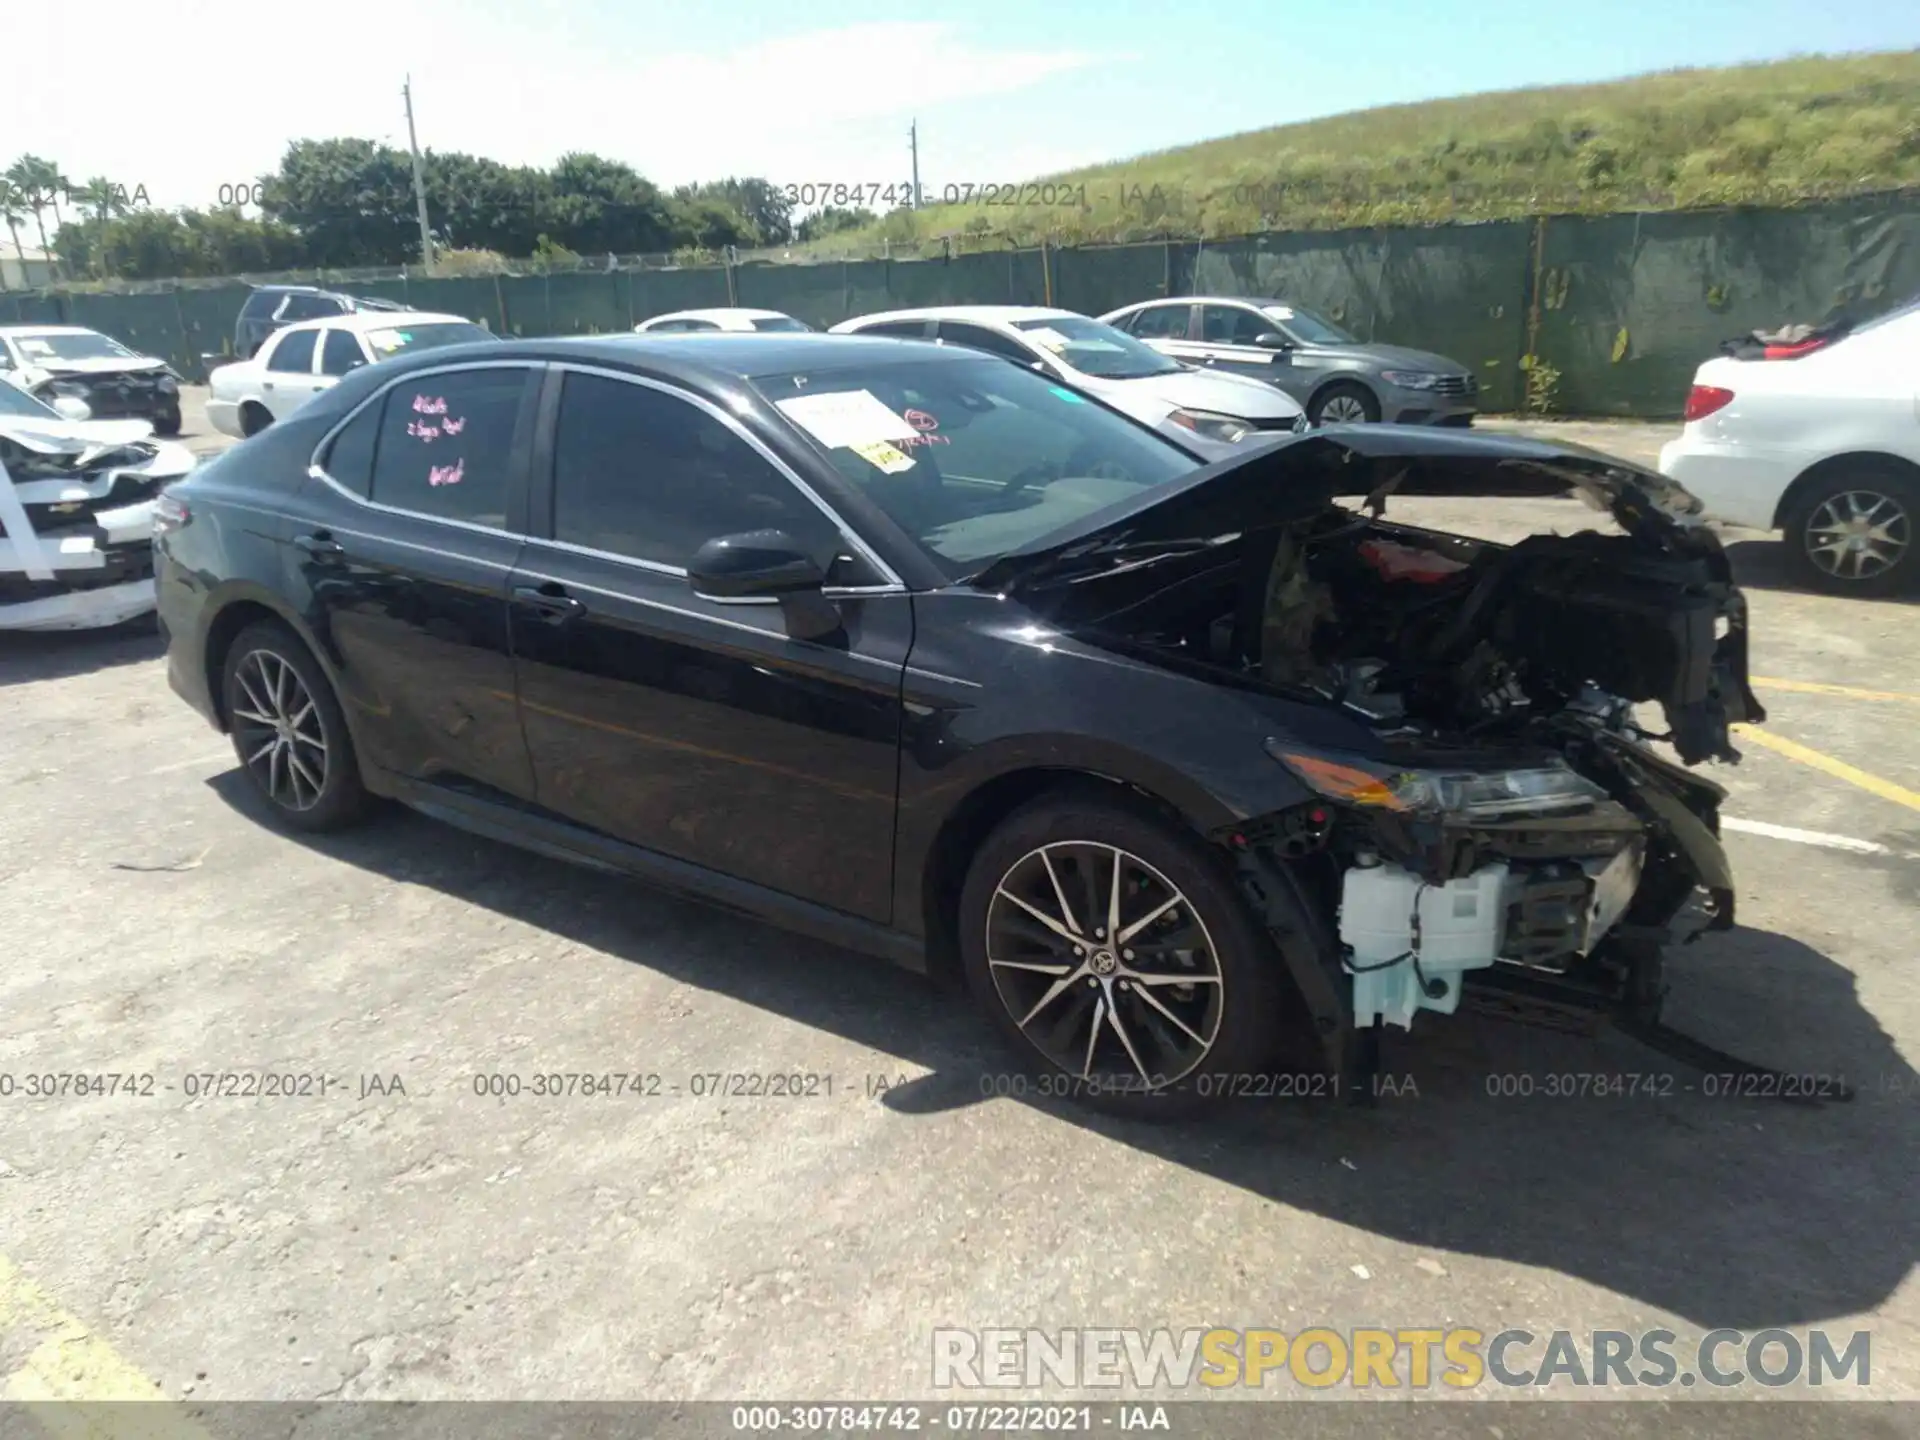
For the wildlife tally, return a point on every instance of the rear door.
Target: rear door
(340, 354)
(402, 546)
(693, 727)
(1167, 328)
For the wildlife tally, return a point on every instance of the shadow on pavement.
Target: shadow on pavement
(27, 656)
(1723, 1209)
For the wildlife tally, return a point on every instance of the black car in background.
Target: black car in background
(931, 656)
(271, 306)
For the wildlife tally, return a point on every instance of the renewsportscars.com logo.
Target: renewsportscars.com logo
(1456, 1357)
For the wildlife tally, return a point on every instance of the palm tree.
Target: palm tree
(27, 178)
(102, 199)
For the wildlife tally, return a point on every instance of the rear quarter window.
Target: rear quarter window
(445, 442)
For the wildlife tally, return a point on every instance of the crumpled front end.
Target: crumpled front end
(76, 526)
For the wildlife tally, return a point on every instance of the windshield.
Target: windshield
(1095, 348)
(973, 457)
(1307, 327)
(15, 401)
(424, 337)
(785, 323)
(86, 346)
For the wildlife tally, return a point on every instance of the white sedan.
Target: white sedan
(1206, 412)
(1821, 442)
(296, 363)
(733, 320)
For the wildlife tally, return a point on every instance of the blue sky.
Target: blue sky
(824, 90)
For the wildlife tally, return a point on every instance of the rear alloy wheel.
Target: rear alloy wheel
(1116, 956)
(1345, 404)
(1853, 535)
(289, 732)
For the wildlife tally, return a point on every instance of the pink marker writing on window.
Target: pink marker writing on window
(424, 431)
(429, 405)
(453, 426)
(447, 474)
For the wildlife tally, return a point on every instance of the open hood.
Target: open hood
(1297, 476)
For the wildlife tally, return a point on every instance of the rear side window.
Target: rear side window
(309, 307)
(294, 352)
(349, 459)
(445, 442)
(978, 337)
(896, 329)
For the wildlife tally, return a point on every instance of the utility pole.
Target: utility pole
(419, 180)
(913, 148)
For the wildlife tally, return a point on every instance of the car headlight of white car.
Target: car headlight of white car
(1224, 428)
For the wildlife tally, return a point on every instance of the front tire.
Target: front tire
(1853, 533)
(167, 422)
(1151, 1016)
(289, 731)
(1345, 403)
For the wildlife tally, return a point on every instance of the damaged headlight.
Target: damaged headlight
(1550, 789)
(167, 385)
(1224, 428)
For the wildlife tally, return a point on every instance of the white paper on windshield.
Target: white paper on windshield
(1051, 338)
(846, 418)
(1279, 312)
(35, 347)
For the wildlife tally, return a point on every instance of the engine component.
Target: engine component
(1406, 941)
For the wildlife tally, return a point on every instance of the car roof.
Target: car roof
(720, 312)
(1255, 300)
(977, 314)
(48, 330)
(695, 359)
(378, 320)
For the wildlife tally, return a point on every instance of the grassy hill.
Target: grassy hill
(1775, 133)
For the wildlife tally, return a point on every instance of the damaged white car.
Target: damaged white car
(76, 515)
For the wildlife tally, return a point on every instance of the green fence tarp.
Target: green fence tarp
(1620, 309)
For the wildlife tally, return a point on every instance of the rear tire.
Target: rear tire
(1345, 403)
(253, 419)
(289, 732)
(1155, 1028)
(1853, 532)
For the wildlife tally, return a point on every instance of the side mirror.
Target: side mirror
(72, 407)
(766, 565)
(1272, 340)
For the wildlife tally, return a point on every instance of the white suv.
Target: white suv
(1821, 442)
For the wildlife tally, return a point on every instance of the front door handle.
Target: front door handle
(555, 605)
(320, 546)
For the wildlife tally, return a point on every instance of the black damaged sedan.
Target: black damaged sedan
(1191, 772)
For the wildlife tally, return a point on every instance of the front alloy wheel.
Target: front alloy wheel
(1105, 965)
(1112, 949)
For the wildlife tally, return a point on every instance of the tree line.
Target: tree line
(345, 204)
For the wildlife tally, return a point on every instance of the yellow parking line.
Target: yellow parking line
(1815, 687)
(72, 1381)
(1839, 769)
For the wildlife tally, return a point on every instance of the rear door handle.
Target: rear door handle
(551, 600)
(320, 545)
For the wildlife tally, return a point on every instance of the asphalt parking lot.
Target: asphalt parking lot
(404, 1237)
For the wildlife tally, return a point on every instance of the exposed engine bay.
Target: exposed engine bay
(1505, 815)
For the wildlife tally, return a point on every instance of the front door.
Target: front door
(1227, 333)
(403, 546)
(694, 727)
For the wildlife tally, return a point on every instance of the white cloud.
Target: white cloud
(226, 89)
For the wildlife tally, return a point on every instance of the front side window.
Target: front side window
(340, 353)
(294, 353)
(444, 443)
(896, 330)
(970, 456)
(644, 474)
(1306, 326)
(1232, 325)
(978, 337)
(1095, 348)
